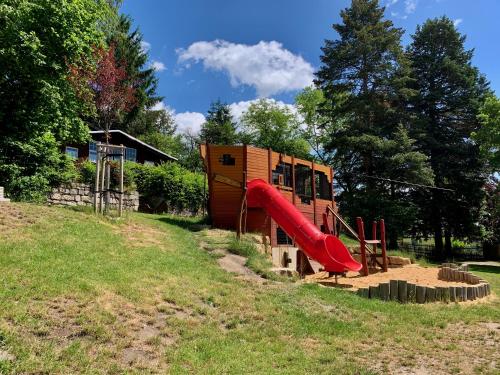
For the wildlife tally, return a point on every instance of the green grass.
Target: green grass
(79, 293)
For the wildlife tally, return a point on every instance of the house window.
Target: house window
(93, 152)
(285, 171)
(72, 152)
(131, 154)
(303, 182)
(323, 189)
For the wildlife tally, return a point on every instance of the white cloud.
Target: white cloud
(158, 66)
(266, 66)
(390, 3)
(160, 106)
(410, 6)
(145, 46)
(458, 21)
(189, 122)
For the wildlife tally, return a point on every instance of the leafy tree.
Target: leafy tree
(450, 92)
(364, 78)
(111, 93)
(220, 127)
(129, 51)
(316, 130)
(39, 110)
(266, 124)
(488, 134)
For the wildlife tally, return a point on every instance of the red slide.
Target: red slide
(324, 248)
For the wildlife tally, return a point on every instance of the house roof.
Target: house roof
(116, 131)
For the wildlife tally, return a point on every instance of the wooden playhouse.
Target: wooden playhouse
(306, 184)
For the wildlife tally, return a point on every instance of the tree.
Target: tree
(128, 47)
(39, 110)
(488, 134)
(450, 92)
(316, 129)
(110, 92)
(364, 78)
(219, 128)
(268, 125)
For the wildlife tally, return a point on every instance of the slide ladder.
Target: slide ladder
(326, 249)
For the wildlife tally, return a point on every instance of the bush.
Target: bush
(169, 186)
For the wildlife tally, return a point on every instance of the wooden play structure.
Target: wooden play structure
(240, 198)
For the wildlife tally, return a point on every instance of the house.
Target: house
(136, 150)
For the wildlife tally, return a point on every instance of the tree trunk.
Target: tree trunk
(447, 242)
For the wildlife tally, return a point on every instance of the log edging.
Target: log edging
(405, 292)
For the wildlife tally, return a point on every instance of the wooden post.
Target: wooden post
(97, 173)
(313, 188)
(293, 180)
(411, 292)
(101, 195)
(374, 237)
(270, 165)
(122, 162)
(420, 294)
(453, 294)
(430, 294)
(402, 291)
(384, 291)
(374, 291)
(382, 245)
(393, 289)
(362, 245)
(108, 185)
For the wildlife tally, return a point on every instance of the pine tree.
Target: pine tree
(129, 50)
(220, 127)
(450, 92)
(365, 80)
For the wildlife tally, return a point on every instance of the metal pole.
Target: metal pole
(108, 184)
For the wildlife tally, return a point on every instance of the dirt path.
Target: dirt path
(236, 264)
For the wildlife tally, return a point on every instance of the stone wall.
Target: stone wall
(76, 194)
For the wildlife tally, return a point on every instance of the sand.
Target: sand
(412, 273)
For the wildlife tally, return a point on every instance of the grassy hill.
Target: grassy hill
(82, 294)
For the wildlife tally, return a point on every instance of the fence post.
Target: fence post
(362, 244)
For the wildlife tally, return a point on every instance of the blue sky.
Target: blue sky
(240, 50)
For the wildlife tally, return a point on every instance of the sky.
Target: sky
(239, 50)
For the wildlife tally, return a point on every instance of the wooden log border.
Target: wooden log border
(405, 292)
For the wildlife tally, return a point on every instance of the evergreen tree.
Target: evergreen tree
(220, 128)
(365, 78)
(129, 50)
(450, 92)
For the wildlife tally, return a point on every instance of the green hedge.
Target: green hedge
(170, 186)
(165, 187)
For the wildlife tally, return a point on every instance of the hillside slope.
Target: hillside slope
(81, 294)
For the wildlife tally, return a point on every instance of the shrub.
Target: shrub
(169, 186)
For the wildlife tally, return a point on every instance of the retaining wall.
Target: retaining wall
(77, 194)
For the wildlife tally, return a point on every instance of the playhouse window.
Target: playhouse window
(282, 238)
(227, 159)
(323, 190)
(303, 181)
(285, 171)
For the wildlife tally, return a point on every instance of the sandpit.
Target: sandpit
(413, 273)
